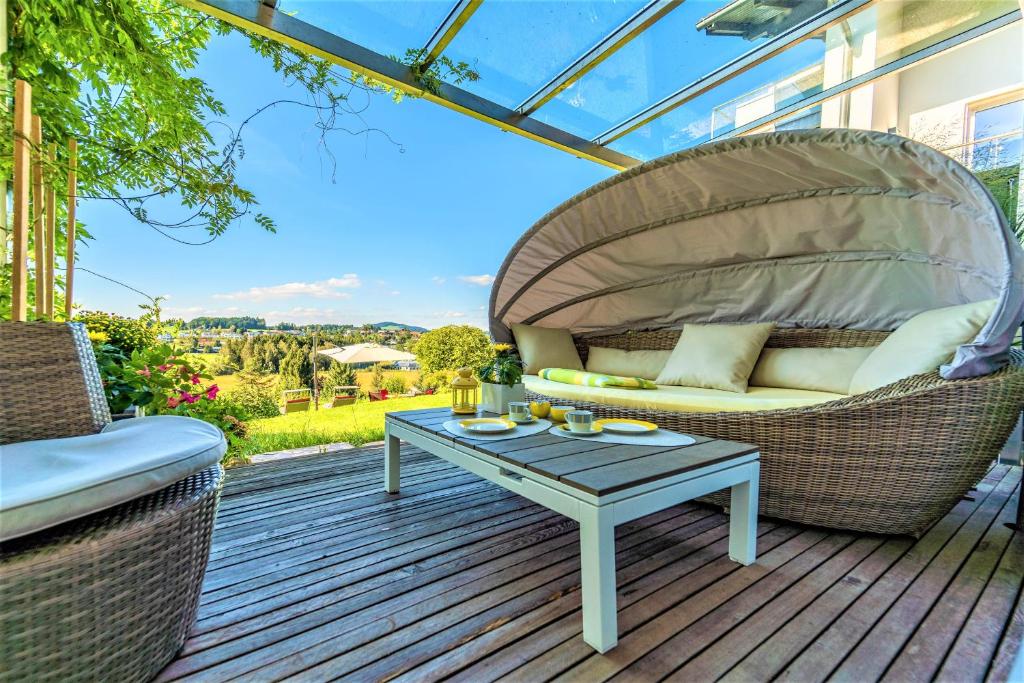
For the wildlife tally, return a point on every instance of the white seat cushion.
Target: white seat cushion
(44, 483)
(682, 399)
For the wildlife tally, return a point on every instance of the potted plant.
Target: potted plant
(501, 382)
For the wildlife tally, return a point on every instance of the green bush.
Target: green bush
(396, 384)
(256, 395)
(338, 375)
(125, 334)
(440, 381)
(377, 377)
(453, 347)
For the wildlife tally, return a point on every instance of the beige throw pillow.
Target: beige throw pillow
(715, 356)
(921, 344)
(813, 369)
(644, 363)
(545, 347)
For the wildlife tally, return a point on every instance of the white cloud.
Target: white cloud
(395, 293)
(452, 314)
(438, 280)
(322, 289)
(481, 280)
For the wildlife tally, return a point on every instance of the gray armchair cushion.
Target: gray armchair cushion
(45, 483)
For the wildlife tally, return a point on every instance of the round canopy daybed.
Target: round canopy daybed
(837, 237)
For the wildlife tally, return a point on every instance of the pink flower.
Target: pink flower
(194, 379)
(172, 402)
(144, 372)
(211, 393)
(189, 398)
(163, 368)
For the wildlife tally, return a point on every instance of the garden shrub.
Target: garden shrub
(256, 395)
(125, 334)
(377, 377)
(440, 381)
(452, 347)
(395, 384)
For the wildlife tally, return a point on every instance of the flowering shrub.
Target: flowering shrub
(160, 382)
(125, 334)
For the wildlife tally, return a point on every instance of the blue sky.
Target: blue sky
(412, 235)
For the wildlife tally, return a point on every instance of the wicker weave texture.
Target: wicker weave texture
(50, 383)
(889, 461)
(112, 596)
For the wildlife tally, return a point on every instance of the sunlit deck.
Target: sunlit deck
(317, 573)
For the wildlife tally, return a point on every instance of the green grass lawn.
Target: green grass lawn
(356, 424)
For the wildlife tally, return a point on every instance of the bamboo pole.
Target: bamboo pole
(22, 164)
(69, 271)
(51, 231)
(38, 214)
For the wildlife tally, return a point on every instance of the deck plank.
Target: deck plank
(317, 573)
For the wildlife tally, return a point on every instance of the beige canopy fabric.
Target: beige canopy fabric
(367, 353)
(813, 228)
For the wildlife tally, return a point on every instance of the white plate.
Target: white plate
(487, 428)
(625, 428)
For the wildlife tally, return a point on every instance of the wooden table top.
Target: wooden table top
(595, 467)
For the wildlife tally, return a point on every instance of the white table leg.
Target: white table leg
(597, 560)
(392, 464)
(743, 519)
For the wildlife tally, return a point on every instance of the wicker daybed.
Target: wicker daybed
(110, 596)
(837, 237)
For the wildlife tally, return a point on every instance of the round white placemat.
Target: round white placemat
(452, 427)
(661, 437)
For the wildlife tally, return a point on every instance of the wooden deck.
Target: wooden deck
(318, 574)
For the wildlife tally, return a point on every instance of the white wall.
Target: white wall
(933, 96)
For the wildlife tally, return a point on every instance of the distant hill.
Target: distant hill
(398, 326)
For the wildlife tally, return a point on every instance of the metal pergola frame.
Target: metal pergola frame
(263, 17)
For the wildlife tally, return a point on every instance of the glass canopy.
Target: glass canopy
(623, 81)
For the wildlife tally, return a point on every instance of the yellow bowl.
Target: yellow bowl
(540, 408)
(558, 412)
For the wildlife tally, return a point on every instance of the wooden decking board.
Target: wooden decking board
(767, 620)
(923, 654)
(773, 654)
(331, 577)
(451, 526)
(313, 515)
(564, 581)
(451, 549)
(354, 519)
(307, 487)
(836, 641)
(319, 631)
(872, 656)
(258, 615)
(356, 535)
(977, 641)
(268, 515)
(1009, 645)
(663, 579)
(345, 515)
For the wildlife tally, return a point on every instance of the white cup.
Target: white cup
(519, 411)
(580, 420)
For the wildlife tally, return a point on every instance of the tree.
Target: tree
(452, 347)
(296, 370)
(339, 375)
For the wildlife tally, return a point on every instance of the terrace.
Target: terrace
(319, 569)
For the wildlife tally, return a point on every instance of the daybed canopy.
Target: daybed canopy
(822, 228)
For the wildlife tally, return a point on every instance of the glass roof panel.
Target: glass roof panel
(389, 27)
(667, 56)
(518, 46)
(874, 37)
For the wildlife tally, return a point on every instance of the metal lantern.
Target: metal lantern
(465, 389)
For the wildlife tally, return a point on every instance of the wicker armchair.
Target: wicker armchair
(113, 595)
(890, 461)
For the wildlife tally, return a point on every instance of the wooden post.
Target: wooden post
(69, 271)
(22, 164)
(38, 214)
(51, 231)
